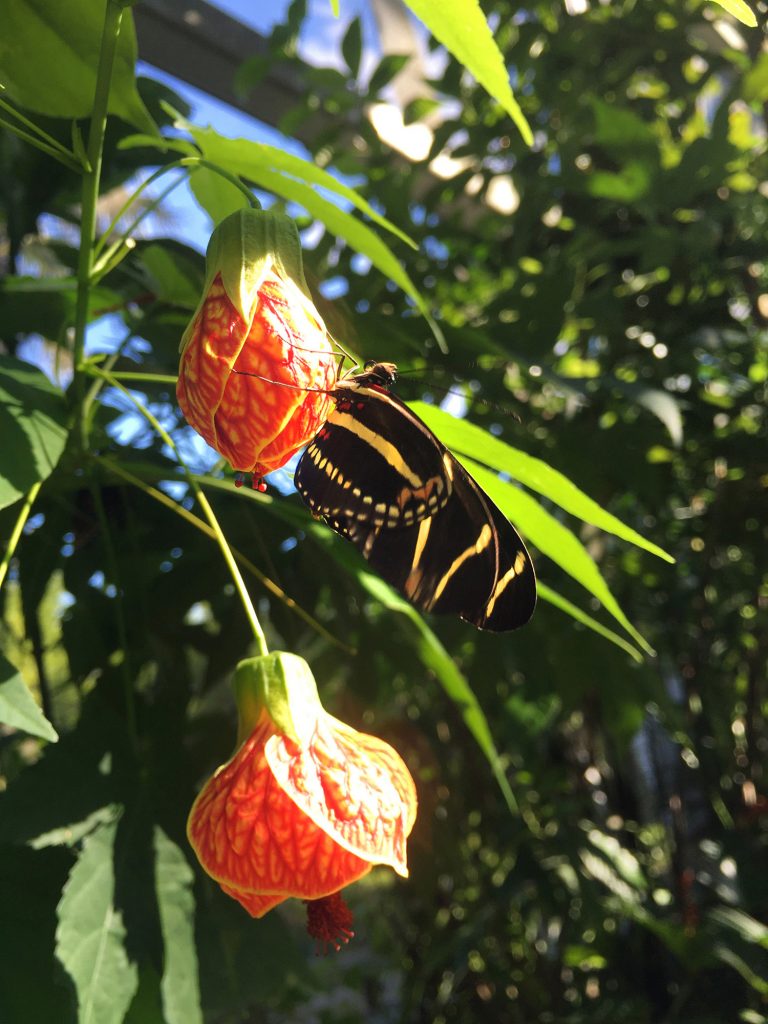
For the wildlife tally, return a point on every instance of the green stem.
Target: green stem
(146, 378)
(41, 133)
(90, 191)
(229, 558)
(68, 161)
(36, 136)
(250, 611)
(197, 161)
(13, 541)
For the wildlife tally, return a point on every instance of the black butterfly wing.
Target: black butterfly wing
(373, 462)
(466, 559)
(512, 599)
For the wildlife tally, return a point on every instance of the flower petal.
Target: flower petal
(353, 786)
(216, 336)
(256, 904)
(278, 395)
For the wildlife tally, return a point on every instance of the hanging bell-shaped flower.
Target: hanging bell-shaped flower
(305, 806)
(257, 363)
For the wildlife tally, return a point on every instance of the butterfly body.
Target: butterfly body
(381, 479)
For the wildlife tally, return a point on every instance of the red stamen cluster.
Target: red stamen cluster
(329, 922)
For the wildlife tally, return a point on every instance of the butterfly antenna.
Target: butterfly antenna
(345, 356)
(342, 355)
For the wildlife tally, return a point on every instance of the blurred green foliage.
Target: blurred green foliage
(610, 321)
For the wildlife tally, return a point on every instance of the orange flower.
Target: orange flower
(306, 805)
(256, 360)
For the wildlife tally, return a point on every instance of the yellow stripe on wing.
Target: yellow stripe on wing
(386, 449)
(504, 582)
(483, 540)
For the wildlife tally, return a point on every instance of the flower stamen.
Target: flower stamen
(329, 922)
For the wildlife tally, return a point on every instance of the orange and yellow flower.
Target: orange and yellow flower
(307, 804)
(257, 363)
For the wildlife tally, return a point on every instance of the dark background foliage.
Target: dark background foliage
(613, 325)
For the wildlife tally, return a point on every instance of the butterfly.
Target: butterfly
(379, 477)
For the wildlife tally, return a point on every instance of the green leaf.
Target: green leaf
(421, 107)
(547, 594)
(217, 196)
(90, 936)
(389, 66)
(291, 27)
(18, 707)
(32, 425)
(170, 276)
(740, 11)
(660, 403)
(552, 539)
(756, 81)
(262, 164)
(618, 128)
(49, 54)
(352, 46)
(463, 436)
(736, 960)
(631, 183)
(461, 27)
(625, 863)
(176, 906)
(748, 928)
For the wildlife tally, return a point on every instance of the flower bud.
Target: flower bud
(257, 363)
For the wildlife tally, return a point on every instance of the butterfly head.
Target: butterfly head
(375, 374)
